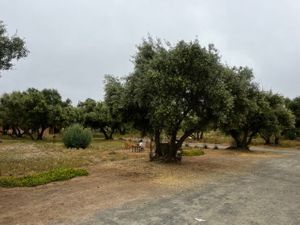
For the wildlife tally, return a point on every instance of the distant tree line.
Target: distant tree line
(31, 112)
(174, 91)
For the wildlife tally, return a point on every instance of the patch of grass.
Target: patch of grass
(282, 143)
(58, 174)
(22, 158)
(192, 152)
(290, 143)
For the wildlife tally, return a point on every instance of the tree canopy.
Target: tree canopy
(31, 112)
(173, 88)
(173, 91)
(11, 48)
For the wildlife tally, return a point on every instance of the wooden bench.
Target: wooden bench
(134, 147)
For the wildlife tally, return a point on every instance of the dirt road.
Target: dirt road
(269, 194)
(221, 187)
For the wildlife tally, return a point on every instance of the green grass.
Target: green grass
(192, 152)
(58, 174)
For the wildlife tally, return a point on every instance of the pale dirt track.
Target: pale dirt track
(139, 192)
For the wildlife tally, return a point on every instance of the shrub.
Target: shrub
(291, 134)
(76, 136)
(58, 174)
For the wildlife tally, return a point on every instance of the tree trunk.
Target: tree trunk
(276, 141)
(242, 145)
(165, 152)
(266, 137)
(20, 133)
(158, 152)
(201, 135)
(41, 134)
(108, 134)
(250, 138)
(122, 130)
(14, 132)
(236, 137)
(171, 156)
(267, 140)
(111, 134)
(198, 136)
(105, 133)
(31, 135)
(241, 142)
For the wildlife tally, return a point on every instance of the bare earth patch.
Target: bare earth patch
(112, 184)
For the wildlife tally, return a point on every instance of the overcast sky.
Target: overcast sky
(74, 43)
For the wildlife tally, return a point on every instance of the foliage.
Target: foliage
(173, 88)
(291, 134)
(278, 118)
(246, 117)
(58, 174)
(76, 136)
(96, 115)
(114, 100)
(32, 112)
(294, 106)
(12, 110)
(106, 116)
(10, 48)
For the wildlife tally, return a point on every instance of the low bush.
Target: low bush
(291, 134)
(76, 136)
(58, 174)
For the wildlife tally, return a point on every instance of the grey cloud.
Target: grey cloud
(75, 43)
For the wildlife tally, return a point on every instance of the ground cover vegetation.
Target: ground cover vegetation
(58, 174)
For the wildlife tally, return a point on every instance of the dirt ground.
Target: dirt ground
(112, 184)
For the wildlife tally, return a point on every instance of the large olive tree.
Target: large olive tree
(175, 88)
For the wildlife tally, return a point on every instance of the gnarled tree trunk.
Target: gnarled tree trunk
(171, 151)
(242, 139)
(276, 140)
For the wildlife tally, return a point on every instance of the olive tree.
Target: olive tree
(278, 118)
(96, 115)
(294, 106)
(31, 112)
(247, 116)
(114, 100)
(175, 88)
(11, 48)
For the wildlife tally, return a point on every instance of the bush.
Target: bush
(291, 134)
(58, 174)
(76, 136)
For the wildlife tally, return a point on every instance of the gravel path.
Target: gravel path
(268, 195)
